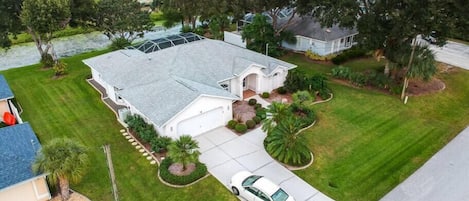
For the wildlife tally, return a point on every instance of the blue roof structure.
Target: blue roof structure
(5, 91)
(18, 148)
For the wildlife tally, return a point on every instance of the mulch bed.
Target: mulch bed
(275, 96)
(176, 169)
(419, 87)
(243, 111)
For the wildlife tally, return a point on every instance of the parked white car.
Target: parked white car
(257, 188)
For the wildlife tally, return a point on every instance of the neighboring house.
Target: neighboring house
(18, 148)
(6, 104)
(308, 33)
(187, 88)
(324, 41)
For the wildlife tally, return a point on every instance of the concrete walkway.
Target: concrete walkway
(444, 177)
(226, 153)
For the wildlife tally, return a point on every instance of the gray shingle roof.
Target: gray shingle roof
(18, 147)
(160, 84)
(308, 27)
(5, 91)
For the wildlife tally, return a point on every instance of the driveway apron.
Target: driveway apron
(226, 153)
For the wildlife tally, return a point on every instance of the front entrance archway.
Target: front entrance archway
(250, 83)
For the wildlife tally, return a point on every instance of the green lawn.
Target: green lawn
(305, 65)
(365, 142)
(70, 107)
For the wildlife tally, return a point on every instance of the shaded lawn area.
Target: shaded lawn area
(309, 67)
(365, 142)
(70, 107)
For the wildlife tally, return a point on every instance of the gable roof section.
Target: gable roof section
(5, 91)
(307, 26)
(160, 84)
(18, 147)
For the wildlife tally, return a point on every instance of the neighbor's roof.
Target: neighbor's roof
(18, 147)
(161, 83)
(5, 91)
(307, 26)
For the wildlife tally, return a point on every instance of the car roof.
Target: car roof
(266, 186)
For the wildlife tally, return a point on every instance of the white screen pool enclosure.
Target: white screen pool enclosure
(169, 41)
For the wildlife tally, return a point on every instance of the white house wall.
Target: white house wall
(109, 88)
(199, 106)
(97, 77)
(278, 80)
(318, 46)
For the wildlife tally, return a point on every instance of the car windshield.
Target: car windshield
(250, 180)
(280, 195)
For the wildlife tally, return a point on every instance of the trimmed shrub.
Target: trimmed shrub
(160, 144)
(252, 101)
(358, 79)
(317, 82)
(380, 80)
(261, 113)
(341, 72)
(257, 106)
(302, 96)
(59, 68)
(148, 133)
(241, 128)
(232, 124)
(199, 172)
(265, 95)
(351, 53)
(324, 93)
(250, 124)
(257, 119)
(281, 90)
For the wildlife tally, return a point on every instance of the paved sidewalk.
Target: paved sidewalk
(445, 177)
(226, 153)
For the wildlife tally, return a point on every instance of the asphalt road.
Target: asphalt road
(456, 54)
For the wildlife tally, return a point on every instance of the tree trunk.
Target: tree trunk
(386, 68)
(406, 80)
(37, 40)
(64, 188)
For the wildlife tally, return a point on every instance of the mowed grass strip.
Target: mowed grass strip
(70, 107)
(365, 142)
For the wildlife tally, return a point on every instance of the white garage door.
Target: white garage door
(201, 123)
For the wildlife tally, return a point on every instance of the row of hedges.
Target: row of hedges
(297, 81)
(199, 172)
(352, 53)
(366, 78)
(147, 133)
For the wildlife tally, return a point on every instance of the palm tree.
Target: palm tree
(184, 151)
(284, 143)
(65, 160)
(277, 112)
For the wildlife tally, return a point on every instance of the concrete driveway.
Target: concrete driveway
(456, 54)
(226, 153)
